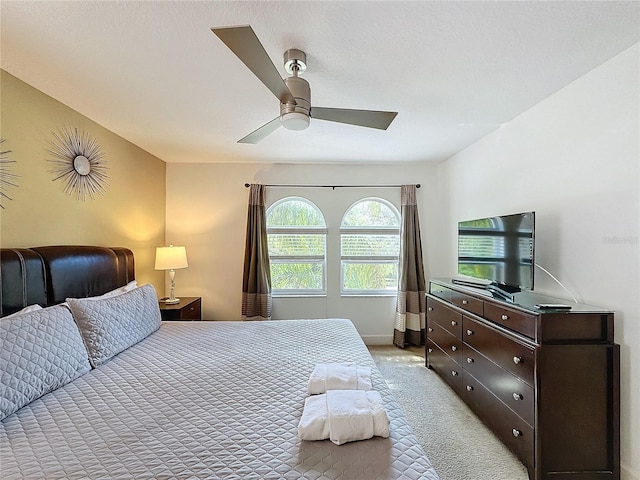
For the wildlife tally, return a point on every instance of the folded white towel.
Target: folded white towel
(313, 424)
(339, 376)
(343, 416)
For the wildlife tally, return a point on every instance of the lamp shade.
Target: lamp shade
(171, 258)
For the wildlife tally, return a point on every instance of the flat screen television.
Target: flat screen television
(499, 250)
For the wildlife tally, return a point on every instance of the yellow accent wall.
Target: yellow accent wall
(131, 213)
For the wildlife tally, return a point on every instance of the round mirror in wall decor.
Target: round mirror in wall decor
(79, 162)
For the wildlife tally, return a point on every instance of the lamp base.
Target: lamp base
(170, 301)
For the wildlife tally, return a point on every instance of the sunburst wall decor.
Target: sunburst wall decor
(79, 163)
(7, 178)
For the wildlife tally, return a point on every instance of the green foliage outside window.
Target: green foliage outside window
(294, 213)
(370, 276)
(370, 213)
(293, 276)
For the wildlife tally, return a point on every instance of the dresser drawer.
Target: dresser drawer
(451, 345)
(440, 291)
(514, 432)
(506, 352)
(193, 311)
(444, 316)
(512, 319)
(513, 392)
(469, 303)
(444, 365)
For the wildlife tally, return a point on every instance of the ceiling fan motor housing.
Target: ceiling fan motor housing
(296, 116)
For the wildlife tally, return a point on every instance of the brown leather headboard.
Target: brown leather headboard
(49, 275)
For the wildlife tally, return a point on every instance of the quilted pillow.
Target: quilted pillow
(41, 351)
(30, 308)
(112, 324)
(118, 291)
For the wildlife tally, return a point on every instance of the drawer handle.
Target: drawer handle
(453, 323)
(465, 302)
(430, 309)
(430, 350)
(469, 360)
(469, 388)
(469, 332)
(517, 360)
(454, 373)
(516, 432)
(517, 396)
(430, 329)
(453, 348)
(505, 317)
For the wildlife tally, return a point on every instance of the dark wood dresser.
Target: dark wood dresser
(545, 381)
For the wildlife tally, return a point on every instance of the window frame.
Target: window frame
(304, 259)
(378, 259)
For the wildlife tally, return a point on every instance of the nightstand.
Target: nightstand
(189, 308)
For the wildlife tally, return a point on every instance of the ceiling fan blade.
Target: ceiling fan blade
(262, 132)
(245, 44)
(362, 118)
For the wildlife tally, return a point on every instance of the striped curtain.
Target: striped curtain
(411, 304)
(256, 280)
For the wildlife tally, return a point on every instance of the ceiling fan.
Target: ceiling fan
(293, 92)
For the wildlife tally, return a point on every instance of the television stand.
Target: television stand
(545, 381)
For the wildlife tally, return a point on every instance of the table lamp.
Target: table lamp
(170, 258)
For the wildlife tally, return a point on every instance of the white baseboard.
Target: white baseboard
(377, 339)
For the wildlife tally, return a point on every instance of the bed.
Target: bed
(188, 400)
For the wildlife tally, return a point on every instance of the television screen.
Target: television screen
(498, 249)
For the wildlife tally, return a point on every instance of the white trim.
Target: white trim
(377, 339)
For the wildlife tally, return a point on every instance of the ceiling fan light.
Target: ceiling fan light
(295, 121)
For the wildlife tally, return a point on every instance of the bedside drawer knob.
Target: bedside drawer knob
(469, 332)
(469, 360)
(454, 348)
(430, 329)
(430, 350)
(465, 302)
(430, 309)
(454, 373)
(453, 323)
(505, 317)
(469, 388)
(517, 396)
(516, 432)
(517, 360)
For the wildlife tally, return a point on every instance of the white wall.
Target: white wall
(207, 211)
(574, 158)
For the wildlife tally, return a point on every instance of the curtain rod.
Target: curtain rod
(247, 185)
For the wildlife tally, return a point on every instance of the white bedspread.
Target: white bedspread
(205, 400)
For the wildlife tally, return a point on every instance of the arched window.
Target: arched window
(369, 248)
(296, 232)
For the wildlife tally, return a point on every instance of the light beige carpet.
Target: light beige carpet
(458, 444)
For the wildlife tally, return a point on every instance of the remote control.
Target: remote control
(553, 306)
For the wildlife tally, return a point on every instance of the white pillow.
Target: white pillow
(30, 308)
(120, 290)
(109, 325)
(41, 351)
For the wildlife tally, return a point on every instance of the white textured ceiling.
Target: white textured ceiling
(154, 73)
